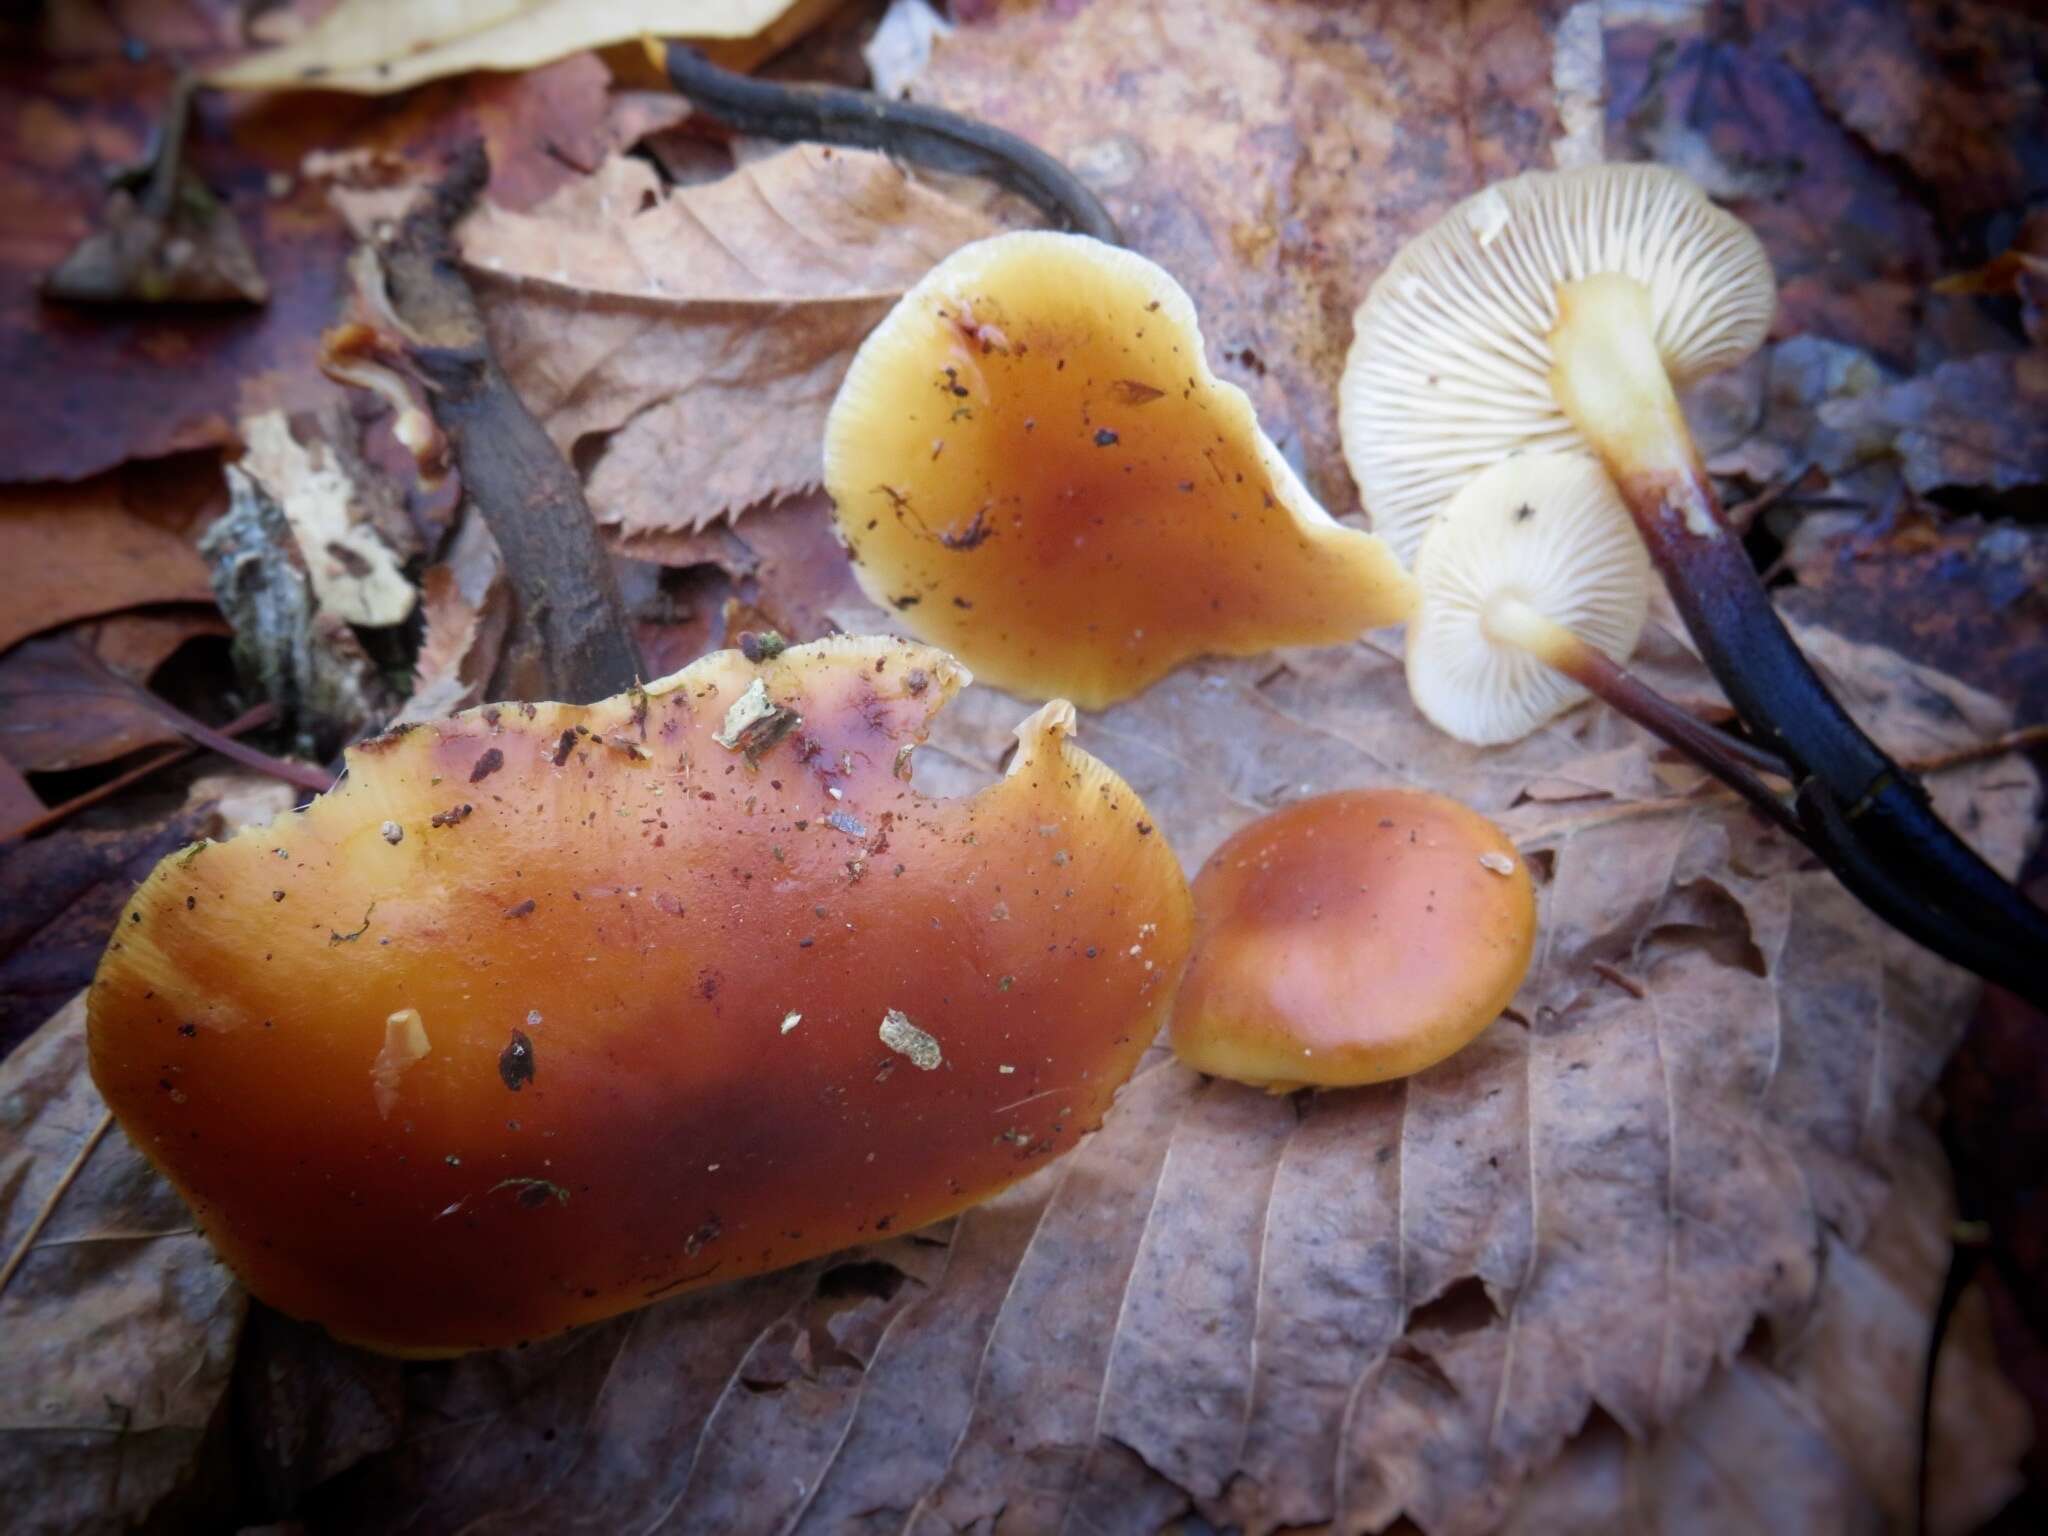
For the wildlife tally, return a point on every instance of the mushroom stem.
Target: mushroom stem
(1610, 380)
(1734, 762)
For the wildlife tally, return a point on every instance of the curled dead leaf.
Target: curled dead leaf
(380, 46)
(682, 345)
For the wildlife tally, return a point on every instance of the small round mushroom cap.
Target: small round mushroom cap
(548, 1011)
(1450, 360)
(1352, 938)
(1541, 531)
(1034, 468)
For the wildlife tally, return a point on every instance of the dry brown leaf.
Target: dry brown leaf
(121, 1325)
(60, 895)
(120, 1322)
(73, 551)
(60, 705)
(1289, 1310)
(683, 346)
(1819, 1435)
(380, 46)
(341, 512)
(1962, 594)
(468, 606)
(1982, 421)
(18, 802)
(81, 392)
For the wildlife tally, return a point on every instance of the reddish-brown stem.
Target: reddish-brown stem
(304, 775)
(1734, 762)
(249, 720)
(1868, 818)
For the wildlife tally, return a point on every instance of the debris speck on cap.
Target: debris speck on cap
(906, 1039)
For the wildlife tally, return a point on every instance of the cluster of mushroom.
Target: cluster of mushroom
(603, 986)
(1034, 431)
(1033, 466)
(552, 1010)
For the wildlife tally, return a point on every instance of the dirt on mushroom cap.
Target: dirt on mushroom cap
(682, 894)
(1034, 467)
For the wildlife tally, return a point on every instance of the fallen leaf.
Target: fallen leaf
(64, 704)
(1346, 1306)
(18, 802)
(1272, 158)
(380, 46)
(468, 604)
(1819, 1433)
(121, 1324)
(683, 346)
(2019, 271)
(305, 1409)
(1781, 112)
(339, 511)
(62, 894)
(1952, 91)
(1982, 421)
(74, 551)
(288, 649)
(1962, 594)
(1696, 88)
(82, 391)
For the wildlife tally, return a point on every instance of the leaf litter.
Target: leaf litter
(1492, 1293)
(682, 345)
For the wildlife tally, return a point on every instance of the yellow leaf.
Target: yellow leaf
(377, 46)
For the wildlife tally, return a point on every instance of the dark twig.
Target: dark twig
(1889, 874)
(570, 615)
(1867, 817)
(1965, 1256)
(928, 136)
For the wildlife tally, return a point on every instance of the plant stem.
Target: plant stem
(249, 720)
(1882, 836)
(930, 136)
(1735, 763)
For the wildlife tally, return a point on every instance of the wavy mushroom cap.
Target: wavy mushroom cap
(1545, 530)
(1352, 938)
(1034, 467)
(549, 1011)
(1450, 363)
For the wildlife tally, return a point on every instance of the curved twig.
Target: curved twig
(1899, 890)
(928, 136)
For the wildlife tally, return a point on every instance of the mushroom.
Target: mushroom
(549, 1011)
(1034, 467)
(1558, 310)
(1532, 578)
(1352, 938)
(1533, 591)
(1472, 345)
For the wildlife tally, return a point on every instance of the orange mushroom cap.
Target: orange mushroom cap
(1034, 467)
(1352, 938)
(548, 1011)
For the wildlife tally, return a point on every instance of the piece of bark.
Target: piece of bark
(569, 612)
